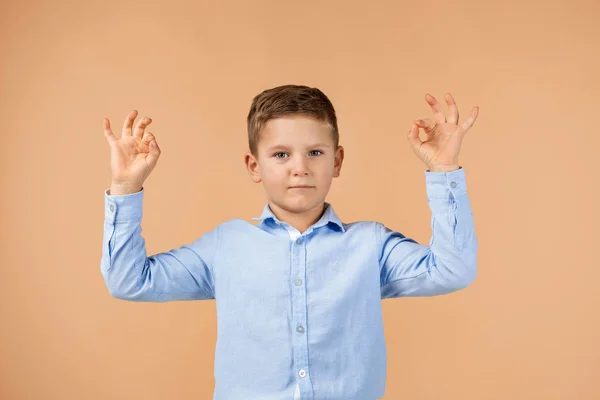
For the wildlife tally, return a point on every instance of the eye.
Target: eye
(283, 152)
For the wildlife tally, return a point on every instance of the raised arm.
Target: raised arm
(129, 274)
(449, 263)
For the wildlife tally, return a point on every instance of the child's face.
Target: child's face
(296, 150)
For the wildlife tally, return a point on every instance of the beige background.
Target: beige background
(528, 328)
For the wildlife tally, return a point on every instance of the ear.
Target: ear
(339, 158)
(252, 166)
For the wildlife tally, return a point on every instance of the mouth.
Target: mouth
(301, 187)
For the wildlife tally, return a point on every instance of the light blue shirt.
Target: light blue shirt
(298, 310)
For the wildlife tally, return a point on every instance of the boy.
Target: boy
(298, 294)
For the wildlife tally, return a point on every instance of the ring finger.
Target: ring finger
(140, 126)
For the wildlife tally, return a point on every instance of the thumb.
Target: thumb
(152, 158)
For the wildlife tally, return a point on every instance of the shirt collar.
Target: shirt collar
(328, 216)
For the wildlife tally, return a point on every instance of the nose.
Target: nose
(300, 166)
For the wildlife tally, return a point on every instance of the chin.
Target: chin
(301, 204)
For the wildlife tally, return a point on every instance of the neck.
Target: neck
(300, 221)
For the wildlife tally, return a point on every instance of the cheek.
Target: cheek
(326, 177)
(273, 175)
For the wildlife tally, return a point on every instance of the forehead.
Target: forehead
(294, 129)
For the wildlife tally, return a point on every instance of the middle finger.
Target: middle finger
(452, 109)
(129, 123)
(438, 112)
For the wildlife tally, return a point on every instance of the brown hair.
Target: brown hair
(285, 100)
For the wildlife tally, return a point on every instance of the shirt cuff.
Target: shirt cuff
(441, 184)
(123, 208)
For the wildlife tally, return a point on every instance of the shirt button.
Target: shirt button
(302, 373)
(299, 240)
(112, 208)
(300, 328)
(453, 184)
(298, 282)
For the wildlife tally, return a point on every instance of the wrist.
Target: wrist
(118, 189)
(443, 168)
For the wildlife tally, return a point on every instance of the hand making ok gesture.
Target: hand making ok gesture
(444, 135)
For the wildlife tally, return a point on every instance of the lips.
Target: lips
(301, 187)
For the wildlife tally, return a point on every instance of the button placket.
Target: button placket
(298, 269)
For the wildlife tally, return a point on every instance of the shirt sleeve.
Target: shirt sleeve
(449, 263)
(184, 273)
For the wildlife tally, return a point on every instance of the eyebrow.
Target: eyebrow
(282, 146)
